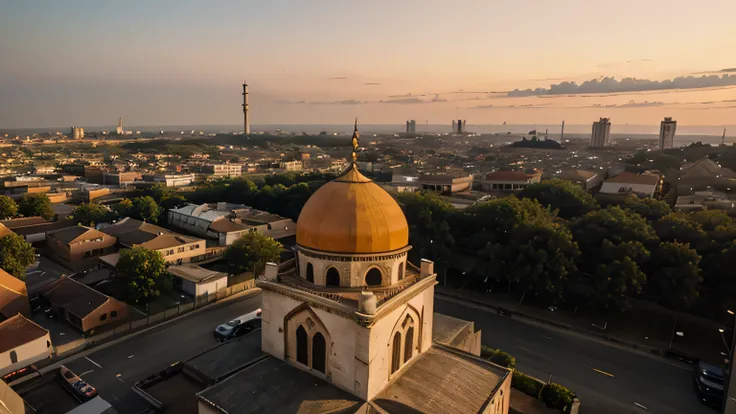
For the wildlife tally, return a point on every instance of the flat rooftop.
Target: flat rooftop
(275, 386)
(225, 359)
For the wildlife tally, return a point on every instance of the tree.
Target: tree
(124, 208)
(251, 252)
(678, 227)
(16, 254)
(649, 208)
(675, 279)
(430, 233)
(714, 220)
(144, 271)
(36, 205)
(568, 198)
(145, 208)
(618, 278)
(8, 207)
(612, 223)
(89, 214)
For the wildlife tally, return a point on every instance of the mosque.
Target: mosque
(348, 324)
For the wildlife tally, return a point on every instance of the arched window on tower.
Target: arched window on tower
(319, 352)
(401, 271)
(310, 273)
(409, 344)
(333, 277)
(373, 277)
(302, 346)
(396, 353)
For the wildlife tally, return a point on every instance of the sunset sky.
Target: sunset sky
(322, 62)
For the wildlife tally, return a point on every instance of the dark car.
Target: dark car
(709, 383)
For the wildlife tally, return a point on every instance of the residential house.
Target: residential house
(586, 179)
(703, 175)
(228, 222)
(196, 280)
(22, 343)
(174, 247)
(706, 200)
(643, 185)
(405, 182)
(79, 248)
(13, 296)
(445, 184)
(12, 402)
(509, 181)
(170, 180)
(83, 307)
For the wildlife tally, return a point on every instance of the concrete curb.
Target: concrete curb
(133, 334)
(521, 315)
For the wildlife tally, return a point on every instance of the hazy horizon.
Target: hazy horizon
(88, 63)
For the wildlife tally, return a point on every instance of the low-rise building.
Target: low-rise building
(120, 179)
(643, 185)
(291, 165)
(22, 343)
(220, 170)
(508, 181)
(83, 307)
(79, 248)
(587, 179)
(13, 296)
(196, 280)
(170, 180)
(405, 182)
(705, 175)
(34, 229)
(445, 184)
(174, 247)
(705, 200)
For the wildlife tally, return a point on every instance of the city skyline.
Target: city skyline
(82, 63)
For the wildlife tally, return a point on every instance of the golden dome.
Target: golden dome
(352, 214)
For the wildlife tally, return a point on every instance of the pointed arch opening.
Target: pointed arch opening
(396, 353)
(373, 277)
(319, 352)
(409, 344)
(310, 273)
(302, 346)
(333, 277)
(401, 271)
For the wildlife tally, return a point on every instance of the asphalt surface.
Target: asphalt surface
(606, 377)
(113, 370)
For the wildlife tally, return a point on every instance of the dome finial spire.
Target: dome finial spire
(356, 145)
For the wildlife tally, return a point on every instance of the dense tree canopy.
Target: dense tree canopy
(676, 278)
(251, 252)
(8, 207)
(145, 273)
(145, 208)
(36, 205)
(89, 214)
(568, 198)
(16, 254)
(649, 208)
(678, 227)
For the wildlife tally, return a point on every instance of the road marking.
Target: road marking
(547, 337)
(96, 364)
(641, 406)
(118, 377)
(86, 372)
(608, 374)
(131, 356)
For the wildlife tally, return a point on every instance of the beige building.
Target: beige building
(175, 248)
(79, 248)
(601, 135)
(509, 181)
(445, 184)
(667, 130)
(196, 280)
(13, 296)
(642, 185)
(22, 343)
(351, 312)
(587, 179)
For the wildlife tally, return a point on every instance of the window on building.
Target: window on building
(114, 314)
(302, 350)
(333, 277)
(13, 357)
(401, 271)
(319, 352)
(409, 344)
(310, 273)
(373, 277)
(103, 317)
(396, 353)
(180, 250)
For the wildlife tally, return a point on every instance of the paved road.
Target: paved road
(115, 369)
(624, 376)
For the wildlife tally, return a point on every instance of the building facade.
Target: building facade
(667, 134)
(79, 248)
(601, 134)
(509, 181)
(22, 343)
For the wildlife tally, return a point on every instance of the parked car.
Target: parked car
(709, 383)
(239, 326)
(77, 385)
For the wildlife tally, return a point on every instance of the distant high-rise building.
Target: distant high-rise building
(601, 133)
(454, 126)
(77, 132)
(411, 127)
(667, 134)
(246, 124)
(459, 126)
(119, 129)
